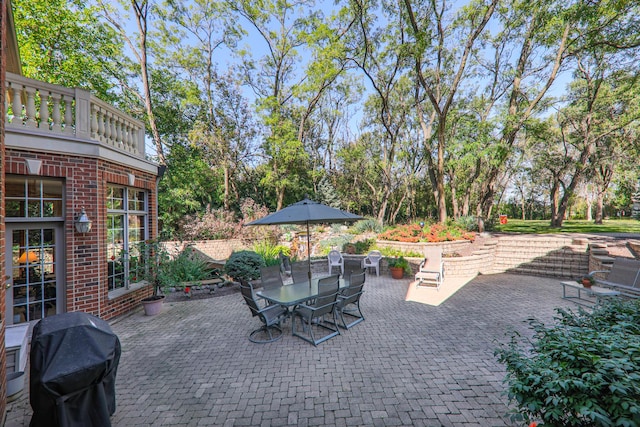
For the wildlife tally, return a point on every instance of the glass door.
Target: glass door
(36, 271)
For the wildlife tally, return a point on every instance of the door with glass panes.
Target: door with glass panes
(34, 256)
(34, 264)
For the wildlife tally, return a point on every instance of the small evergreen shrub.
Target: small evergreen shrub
(244, 265)
(582, 371)
(469, 223)
(367, 225)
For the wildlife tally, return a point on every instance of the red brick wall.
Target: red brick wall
(86, 182)
(3, 65)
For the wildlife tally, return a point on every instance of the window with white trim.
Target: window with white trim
(127, 221)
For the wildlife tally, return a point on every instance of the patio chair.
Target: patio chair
(349, 301)
(285, 264)
(271, 317)
(351, 266)
(431, 270)
(300, 271)
(312, 315)
(270, 277)
(372, 260)
(335, 260)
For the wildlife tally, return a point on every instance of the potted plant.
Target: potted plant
(587, 281)
(151, 261)
(398, 266)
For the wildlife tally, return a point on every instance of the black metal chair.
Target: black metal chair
(312, 316)
(270, 277)
(351, 266)
(349, 301)
(285, 264)
(271, 317)
(300, 271)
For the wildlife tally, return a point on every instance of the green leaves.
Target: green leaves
(581, 371)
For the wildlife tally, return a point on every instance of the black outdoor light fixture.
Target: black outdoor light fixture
(83, 223)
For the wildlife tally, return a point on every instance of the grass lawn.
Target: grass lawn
(575, 226)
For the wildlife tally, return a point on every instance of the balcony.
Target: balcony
(45, 117)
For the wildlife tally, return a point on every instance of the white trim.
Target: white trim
(30, 140)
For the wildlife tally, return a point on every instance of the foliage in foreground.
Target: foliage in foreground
(244, 265)
(582, 371)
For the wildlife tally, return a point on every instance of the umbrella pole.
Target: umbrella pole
(309, 253)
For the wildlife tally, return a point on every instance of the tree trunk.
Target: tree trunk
(599, 208)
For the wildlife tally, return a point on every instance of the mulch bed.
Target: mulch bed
(212, 292)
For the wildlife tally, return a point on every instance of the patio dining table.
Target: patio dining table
(296, 293)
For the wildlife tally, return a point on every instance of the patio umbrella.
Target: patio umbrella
(307, 212)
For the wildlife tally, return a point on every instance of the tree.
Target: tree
(378, 54)
(440, 68)
(61, 43)
(192, 37)
(139, 49)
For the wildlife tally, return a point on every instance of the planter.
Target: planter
(15, 383)
(152, 305)
(587, 283)
(397, 272)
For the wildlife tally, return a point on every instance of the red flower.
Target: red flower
(113, 257)
(533, 424)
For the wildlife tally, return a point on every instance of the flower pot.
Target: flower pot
(586, 283)
(397, 272)
(15, 383)
(152, 305)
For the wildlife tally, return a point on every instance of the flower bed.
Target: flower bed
(414, 233)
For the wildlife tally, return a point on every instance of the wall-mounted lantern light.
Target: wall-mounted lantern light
(83, 223)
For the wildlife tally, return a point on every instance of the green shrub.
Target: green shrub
(399, 262)
(392, 252)
(367, 225)
(188, 265)
(270, 252)
(244, 265)
(468, 223)
(364, 246)
(582, 371)
(337, 241)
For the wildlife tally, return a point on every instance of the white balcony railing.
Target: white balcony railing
(70, 113)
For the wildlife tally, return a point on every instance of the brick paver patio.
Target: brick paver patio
(406, 364)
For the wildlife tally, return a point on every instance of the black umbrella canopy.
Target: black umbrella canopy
(307, 212)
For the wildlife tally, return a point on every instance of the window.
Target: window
(126, 229)
(33, 198)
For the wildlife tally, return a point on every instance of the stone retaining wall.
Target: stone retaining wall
(562, 257)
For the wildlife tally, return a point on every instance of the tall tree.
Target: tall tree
(440, 66)
(137, 43)
(378, 53)
(192, 40)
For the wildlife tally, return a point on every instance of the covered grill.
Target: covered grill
(74, 358)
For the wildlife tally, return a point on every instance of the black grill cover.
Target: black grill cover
(74, 358)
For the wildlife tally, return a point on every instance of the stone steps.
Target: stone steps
(541, 256)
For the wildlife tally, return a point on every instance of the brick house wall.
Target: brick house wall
(86, 181)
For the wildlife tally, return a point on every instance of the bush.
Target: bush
(468, 223)
(270, 252)
(154, 262)
(367, 225)
(360, 247)
(399, 262)
(244, 265)
(582, 371)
